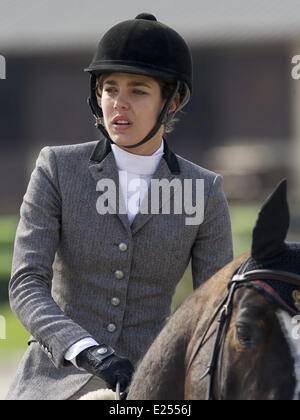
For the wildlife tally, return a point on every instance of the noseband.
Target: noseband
(224, 312)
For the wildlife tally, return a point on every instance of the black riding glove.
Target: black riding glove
(102, 361)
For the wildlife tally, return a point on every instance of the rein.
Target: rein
(120, 395)
(224, 311)
(118, 392)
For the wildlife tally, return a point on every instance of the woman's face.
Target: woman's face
(131, 104)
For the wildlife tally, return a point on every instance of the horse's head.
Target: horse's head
(258, 350)
(262, 353)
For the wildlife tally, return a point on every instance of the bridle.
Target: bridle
(224, 310)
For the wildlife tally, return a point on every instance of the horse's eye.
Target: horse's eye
(243, 333)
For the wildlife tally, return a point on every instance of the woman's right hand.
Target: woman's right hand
(102, 361)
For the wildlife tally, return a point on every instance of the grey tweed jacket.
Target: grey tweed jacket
(71, 262)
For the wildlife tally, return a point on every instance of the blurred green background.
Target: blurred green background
(243, 219)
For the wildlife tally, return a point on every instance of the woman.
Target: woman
(108, 228)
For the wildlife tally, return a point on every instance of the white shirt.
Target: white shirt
(135, 173)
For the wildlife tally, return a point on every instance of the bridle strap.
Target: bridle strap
(201, 341)
(221, 328)
(225, 310)
(222, 306)
(283, 276)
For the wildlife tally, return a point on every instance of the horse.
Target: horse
(237, 336)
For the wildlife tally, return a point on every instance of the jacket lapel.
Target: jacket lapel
(102, 166)
(167, 170)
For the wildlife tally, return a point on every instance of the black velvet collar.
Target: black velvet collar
(103, 148)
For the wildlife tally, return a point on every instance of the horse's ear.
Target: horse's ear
(269, 233)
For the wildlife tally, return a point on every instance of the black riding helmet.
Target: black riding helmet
(147, 47)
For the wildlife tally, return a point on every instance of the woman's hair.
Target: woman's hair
(166, 90)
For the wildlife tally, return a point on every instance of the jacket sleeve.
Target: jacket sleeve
(36, 242)
(213, 246)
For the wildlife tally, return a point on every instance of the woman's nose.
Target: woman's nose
(121, 102)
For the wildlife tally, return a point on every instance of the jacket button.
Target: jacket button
(123, 247)
(111, 328)
(115, 301)
(119, 274)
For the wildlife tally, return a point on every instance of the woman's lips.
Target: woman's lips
(121, 123)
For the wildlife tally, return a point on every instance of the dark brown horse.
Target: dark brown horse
(236, 337)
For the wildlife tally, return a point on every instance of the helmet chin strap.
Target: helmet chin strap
(97, 112)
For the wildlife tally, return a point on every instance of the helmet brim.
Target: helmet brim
(133, 68)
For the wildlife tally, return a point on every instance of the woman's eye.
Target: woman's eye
(110, 90)
(243, 334)
(139, 92)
